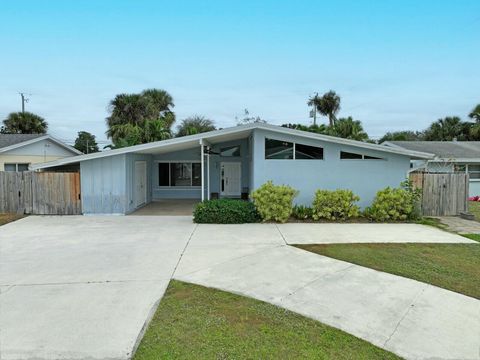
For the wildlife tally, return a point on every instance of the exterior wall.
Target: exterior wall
(130, 179)
(363, 177)
(41, 151)
(103, 185)
(474, 188)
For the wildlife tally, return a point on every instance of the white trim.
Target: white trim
(37, 139)
(232, 130)
(202, 168)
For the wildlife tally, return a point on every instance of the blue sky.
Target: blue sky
(396, 64)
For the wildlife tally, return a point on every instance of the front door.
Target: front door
(140, 183)
(230, 181)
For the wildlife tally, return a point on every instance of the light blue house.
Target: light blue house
(231, 163)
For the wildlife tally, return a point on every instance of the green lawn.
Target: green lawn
(474, 208)
(475, 237)
(6, 218)
(195, 322)
(451, 266)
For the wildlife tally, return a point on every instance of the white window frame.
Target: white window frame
(16, 166)
(170, 187)
(294, 150)
(467, 170)
(362, 159)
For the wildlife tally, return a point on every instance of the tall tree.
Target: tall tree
(195, 124)
(24, 123)
(140, 118)
(86, 142)
(475, 114)
(328, 105)
(348, 128)
(406, 135)
(448, 129)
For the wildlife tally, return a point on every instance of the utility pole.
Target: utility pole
(313, 113)
(24, 100)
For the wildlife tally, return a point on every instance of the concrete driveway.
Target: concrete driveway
(83, 287)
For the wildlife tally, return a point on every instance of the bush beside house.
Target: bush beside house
(274, 202)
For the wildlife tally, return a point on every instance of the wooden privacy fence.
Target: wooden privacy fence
(443, 194)
(40, 193)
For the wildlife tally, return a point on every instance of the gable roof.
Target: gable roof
(13, 141)
(442, 149)
(223, 135)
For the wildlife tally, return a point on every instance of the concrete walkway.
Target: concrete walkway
(83, 287)
(459, 225)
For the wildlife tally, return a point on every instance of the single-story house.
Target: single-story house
(232, 162)
(450, 156)
(18, 151)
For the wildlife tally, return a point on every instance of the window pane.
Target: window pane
(474, 175)
(230, 151)
(196, 174)
(180, 174)
(473, 168)
(308, 152)
(367, 157)
(163, 174)
(10, 167)
(22, 167)
(276, 149)
(349, 155)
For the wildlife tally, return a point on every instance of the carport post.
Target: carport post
(202, 155)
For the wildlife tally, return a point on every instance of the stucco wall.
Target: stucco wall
(103, 183)
(363, 177)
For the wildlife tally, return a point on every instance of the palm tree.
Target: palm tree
(475, 114)
(195, 125)
(327, 105)
(86, 142)
(24, 123)
(348, 128)
(448, 129)
(406, 135)
(131, 114)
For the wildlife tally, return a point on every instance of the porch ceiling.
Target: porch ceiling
(194, 143)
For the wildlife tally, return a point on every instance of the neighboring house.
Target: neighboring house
(450, 156)
(231, 163)
(18, 151)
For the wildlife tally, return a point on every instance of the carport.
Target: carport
(167, 207)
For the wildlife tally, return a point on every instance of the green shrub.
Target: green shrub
(225, 211)
(395, 204)
(335, 205)
(274, 202)
(302, 212)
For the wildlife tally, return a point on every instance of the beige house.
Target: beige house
(19, 151)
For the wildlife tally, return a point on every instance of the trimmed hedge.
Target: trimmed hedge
(225, 211)
(335, 205)
(274, 202)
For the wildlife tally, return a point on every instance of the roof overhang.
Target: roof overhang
(225, 135)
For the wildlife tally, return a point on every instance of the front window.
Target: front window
(184, 174)
(474, 171)
(277, 149)
(16, 167)
(345, 155)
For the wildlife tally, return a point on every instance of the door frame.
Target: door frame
(135, 183)
(222, 194)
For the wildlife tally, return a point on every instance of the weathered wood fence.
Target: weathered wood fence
(443, 194)
(40, 193)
